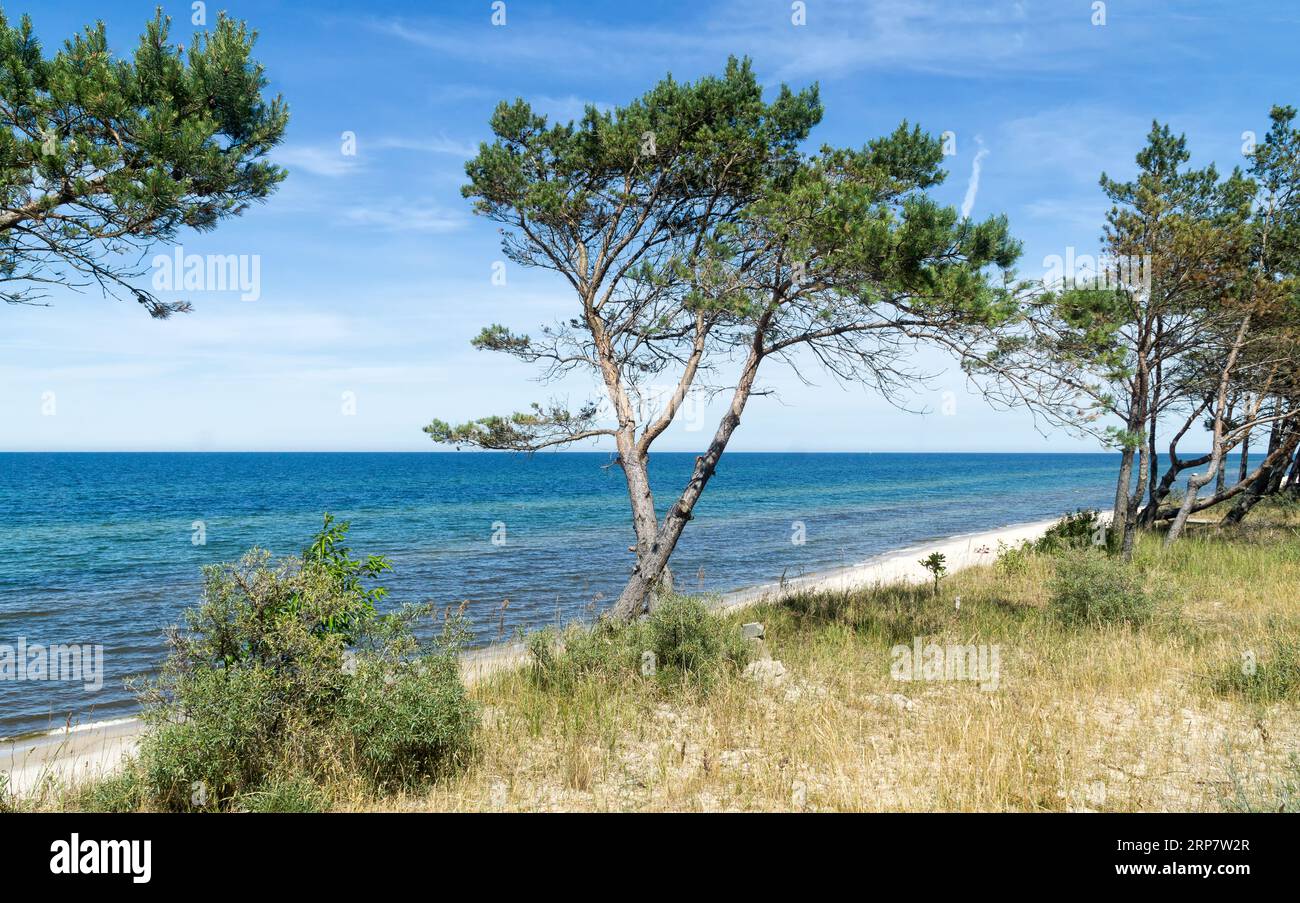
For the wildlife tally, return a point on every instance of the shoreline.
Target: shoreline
(92, 750)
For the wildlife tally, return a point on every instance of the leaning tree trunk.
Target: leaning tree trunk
(1218, 442)
(644, 520)
(1194, 484)
(1123, 485)
(649, 570)
(1269, 480)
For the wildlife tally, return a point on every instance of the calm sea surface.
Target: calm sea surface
(99, 548)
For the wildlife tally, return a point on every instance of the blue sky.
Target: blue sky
(375, 274)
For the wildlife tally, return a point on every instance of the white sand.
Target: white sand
(903, 566)
(68, 756)
(97, 749)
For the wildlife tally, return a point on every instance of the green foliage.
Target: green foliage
(409, 719)
(262, 684)
(936, 564)
(121, 792)
(329, 553)
(286, 794)
(1014, 560)
(692, 641)
(1273, 677)
(689, 221)
(1079, 530)
(101, 157)
(691, 644)
(1091, 588)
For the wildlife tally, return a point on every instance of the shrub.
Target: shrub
(691, 645)
(409, 720)
(1013, 560)
(1273, 677)
(1074, 531)
(937, 564)
(687, 637)
(286, 794)
(287, 670)
(120, 792)
(1092, 588)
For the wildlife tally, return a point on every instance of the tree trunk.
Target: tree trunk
(1269, 479)
(1194, 484)
(1218, 441)
(649, 570)
(1245, 461)
(1153, 457)
(644, 519)
(1131, 513)
(1123, 485)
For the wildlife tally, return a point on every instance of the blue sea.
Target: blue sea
(99, 549)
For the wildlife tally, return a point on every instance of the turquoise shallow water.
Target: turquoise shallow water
(97, 548)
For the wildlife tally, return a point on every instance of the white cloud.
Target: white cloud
(329, 162)
(840, 38)
(973, 187)
(438, 144)
(404, 216)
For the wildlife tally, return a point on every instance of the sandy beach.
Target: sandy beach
(96, 749)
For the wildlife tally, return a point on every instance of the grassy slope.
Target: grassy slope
(1104, 719)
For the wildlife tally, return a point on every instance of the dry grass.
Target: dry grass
(1113, 719)
(1149, 718)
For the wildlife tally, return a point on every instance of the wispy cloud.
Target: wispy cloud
(840, 37)
(328, 162)
(973, 186)
(437, 144)
(407, 217)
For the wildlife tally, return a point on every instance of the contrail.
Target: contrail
(973, 187)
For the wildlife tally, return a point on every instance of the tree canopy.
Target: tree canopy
(701, 240)
(102, 157)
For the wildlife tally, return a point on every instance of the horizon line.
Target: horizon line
(480, 451)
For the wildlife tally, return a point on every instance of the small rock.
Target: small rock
(767, 672)
(894, 700)
(753, 630)
(799, 798)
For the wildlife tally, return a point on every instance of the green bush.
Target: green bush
(123, 791)
(286, 671)
(1092, 588)
(1013, 560)
(286, 794)
(409, 720)
(691, 645)
(1074, 531)
(688, 638)
(1272, 677)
